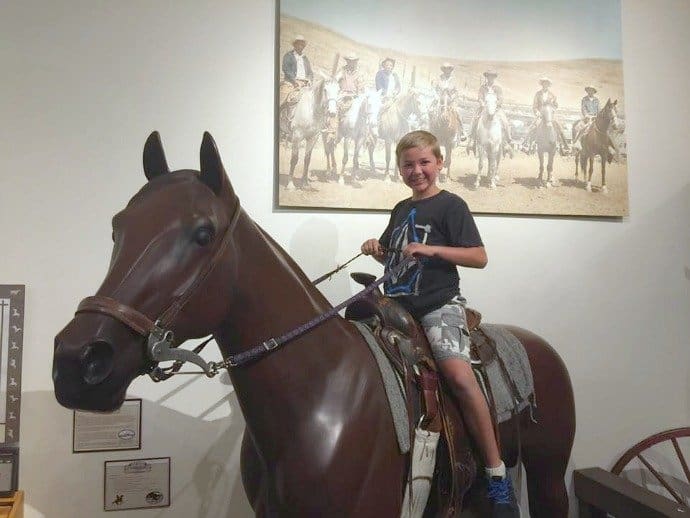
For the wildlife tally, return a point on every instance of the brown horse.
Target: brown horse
(445, 123)
(319, 439)
(595, 142)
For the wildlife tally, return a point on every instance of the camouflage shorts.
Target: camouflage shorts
(446, 330)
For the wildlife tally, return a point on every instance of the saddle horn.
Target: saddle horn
(212, 170)
(155, 163)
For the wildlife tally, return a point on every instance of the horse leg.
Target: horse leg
(341, 176)
(448, 162)
(577, 163)
(480, 164)
(491, 159)
(590, 171)
(541, 167)
(549, 168)
(547, 443)
(387, 176)
(308, 148)
(294, 158)
(355, 158)
(372, 166)
(604, 157)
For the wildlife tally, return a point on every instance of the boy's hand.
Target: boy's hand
(418, 250)
(372, 247)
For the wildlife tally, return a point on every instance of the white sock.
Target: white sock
(498, 471)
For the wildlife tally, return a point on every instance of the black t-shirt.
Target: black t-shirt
(442, 220)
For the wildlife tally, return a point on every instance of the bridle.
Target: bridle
(158, 333)
(160, 339)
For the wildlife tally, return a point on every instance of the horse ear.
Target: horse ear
(154, 157)
(212, 170)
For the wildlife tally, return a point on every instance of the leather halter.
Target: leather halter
(160, 338)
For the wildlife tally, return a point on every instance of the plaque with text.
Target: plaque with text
(118, 430)
(136, 484)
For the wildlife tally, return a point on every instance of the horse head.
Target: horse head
(161, 279)
(331, 89)
(491, 104)
(609, 114)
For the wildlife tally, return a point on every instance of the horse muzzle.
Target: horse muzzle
(85, 373)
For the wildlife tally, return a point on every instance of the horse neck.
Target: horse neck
(603, 120)
(271, 296)
(305, 111)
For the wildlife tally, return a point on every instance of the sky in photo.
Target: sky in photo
(502, 30)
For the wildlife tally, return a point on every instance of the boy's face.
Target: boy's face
(419, 168)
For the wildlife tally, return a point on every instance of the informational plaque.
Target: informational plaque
(11, 344)
(118, 430)
(136, 484)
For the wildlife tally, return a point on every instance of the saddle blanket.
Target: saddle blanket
(514, 357)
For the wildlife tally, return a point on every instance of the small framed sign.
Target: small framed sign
(136, 484)
(9, 470)
(118, 430)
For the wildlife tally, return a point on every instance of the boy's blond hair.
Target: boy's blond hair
(419, 139)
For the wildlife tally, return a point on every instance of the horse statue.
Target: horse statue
(489, 141)
(188, 262)
(546, 138)
(359, 124)
(445, 123)
(308, 118)
(394, 123)
(596, 141)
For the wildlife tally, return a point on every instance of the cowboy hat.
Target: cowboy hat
(447, 65)
(299, 37)
(491, 72)
(590, 89)
(545, 79)
(387, 59)
(351, 57)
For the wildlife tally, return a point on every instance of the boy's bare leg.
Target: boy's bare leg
(474, 409)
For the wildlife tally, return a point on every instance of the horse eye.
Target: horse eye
(203, 236)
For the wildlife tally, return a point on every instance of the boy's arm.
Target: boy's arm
(471, 257)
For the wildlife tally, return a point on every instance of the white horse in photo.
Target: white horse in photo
(489, 141)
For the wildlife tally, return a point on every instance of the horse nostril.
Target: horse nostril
(97, 362)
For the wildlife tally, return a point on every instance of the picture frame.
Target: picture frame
(115, 431)
(329, 32)
(136, 484)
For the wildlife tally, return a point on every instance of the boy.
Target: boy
(437, 227)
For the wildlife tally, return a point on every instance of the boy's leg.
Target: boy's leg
(446, 329)
(458, 373)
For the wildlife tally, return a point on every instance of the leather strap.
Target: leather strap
(125, 314)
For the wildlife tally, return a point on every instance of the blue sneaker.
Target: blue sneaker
(500, 492)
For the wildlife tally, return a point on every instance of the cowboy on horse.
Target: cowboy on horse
(445, 84)
(589, 107)
(297, 73)
(490, 86)
(543, 97)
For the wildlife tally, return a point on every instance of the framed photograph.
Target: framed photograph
(136, 484)
(118, 430)
(11, 347)
(525, 98)
(9, 471)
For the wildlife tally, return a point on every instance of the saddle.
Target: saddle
(429, 402)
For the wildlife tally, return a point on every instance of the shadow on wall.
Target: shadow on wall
(205, 471)
(314, 246)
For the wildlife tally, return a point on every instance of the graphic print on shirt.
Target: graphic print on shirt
(406, 282)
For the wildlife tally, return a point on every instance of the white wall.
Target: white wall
(84, 82)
